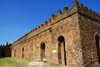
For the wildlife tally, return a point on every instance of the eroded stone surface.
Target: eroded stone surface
(77, 25)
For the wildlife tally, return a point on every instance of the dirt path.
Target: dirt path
(37, 64)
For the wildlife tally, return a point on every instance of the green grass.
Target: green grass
(20, 62)
(3, 63)
(50, 65)
(13, 62)
(98, 66)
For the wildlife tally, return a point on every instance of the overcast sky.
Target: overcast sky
(18, 17)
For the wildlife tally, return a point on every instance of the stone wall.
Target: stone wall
(5, 51)
(32, 47)
(78, 26)
(69, 29)
(88, 28)
(89, 24)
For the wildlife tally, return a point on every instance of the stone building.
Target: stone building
(70, 38)
(5, 51)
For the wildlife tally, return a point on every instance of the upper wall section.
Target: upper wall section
(77, 8)
(33, 32)
(88, 12)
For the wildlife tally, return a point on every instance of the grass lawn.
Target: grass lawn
(3, 63)
(13, 62)
(50, 65)
(98, 66)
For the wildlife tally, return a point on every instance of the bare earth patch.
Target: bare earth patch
(37, 64)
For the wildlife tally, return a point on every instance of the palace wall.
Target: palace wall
(78, 26)
(89, 24)
(5, 51)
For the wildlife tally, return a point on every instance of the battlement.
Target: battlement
(1, 46)
(5, 46)
(88, 12)
(77, 8)
(37, 30)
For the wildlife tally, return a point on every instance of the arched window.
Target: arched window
(61, 50)
(22, 49)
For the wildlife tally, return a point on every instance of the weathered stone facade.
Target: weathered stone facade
(5, 51)
(70, 38)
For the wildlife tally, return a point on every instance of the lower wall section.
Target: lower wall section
(65, 51)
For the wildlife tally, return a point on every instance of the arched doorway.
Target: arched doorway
(98, 47)
(42, 50)
(14, 53)
(22, 53)
(61, 51)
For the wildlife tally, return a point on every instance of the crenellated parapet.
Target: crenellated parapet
(60, 15)
(47, 25)
(37, 30)
(66, 13)
(75, 3)
(77, 8)
(88, 12)
(4, 46)
(0, 46)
